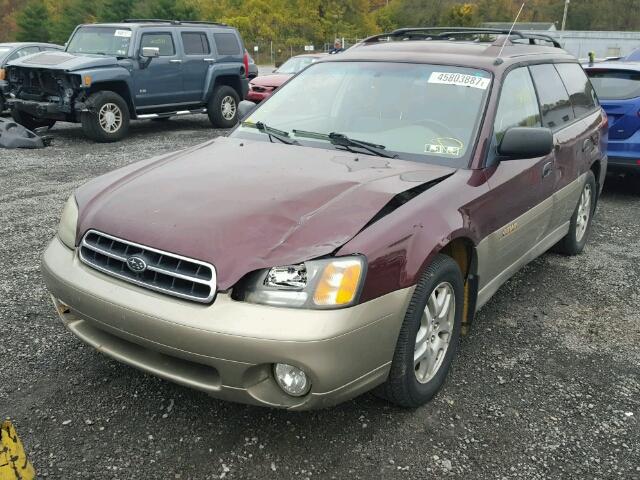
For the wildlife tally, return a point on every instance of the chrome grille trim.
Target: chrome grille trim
(169, 273)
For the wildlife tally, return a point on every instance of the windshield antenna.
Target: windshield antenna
(498, 59)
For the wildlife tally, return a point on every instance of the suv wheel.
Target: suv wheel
(108, 121)
(29, 121)
(429, 336)
(223, 107)
(580, 225)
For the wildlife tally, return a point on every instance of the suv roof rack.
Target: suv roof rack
(172, 22)
(444, 33)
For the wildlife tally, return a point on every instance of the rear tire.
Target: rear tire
(29, 121)
(222, 108)
(429, 336)
(108, 120)
(580, 225)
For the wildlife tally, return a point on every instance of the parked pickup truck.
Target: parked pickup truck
(137, 69)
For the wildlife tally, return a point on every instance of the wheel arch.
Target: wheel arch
(119, 87)
(232, 81)
(463, 251)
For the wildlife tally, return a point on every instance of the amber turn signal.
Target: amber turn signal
(339, 283)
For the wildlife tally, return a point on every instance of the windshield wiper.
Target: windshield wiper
(272, 132)
(342, 140)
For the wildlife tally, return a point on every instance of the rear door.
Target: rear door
(158, 84)
(196, 63)
(570, 136)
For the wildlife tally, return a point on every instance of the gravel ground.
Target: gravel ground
(547, 384)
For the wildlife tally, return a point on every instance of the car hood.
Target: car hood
(53, 60)
(244, 206)
(274, 80)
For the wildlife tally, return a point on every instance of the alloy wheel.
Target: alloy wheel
(584, 212)
(434, 333)
(110, 117)
(228, 107)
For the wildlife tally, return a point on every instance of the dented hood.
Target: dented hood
(245, 206)
(68, 62)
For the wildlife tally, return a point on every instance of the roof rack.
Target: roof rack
(172, 22)
(445, 33)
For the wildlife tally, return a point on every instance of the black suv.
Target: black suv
(110, 73)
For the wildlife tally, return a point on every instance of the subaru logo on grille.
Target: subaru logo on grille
(136, 264)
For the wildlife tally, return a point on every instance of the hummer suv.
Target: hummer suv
(137, 69)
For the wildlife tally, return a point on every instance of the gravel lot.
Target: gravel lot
(547, 385)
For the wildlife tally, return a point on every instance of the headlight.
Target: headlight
(68, 223)
(320, 284)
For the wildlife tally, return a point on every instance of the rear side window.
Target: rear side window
(518, 105)
(581, 93)
(162, 41)
(195, 43)
(616, 84)
(554, 99)
(227, 44)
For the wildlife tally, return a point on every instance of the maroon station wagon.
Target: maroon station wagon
(344, 235)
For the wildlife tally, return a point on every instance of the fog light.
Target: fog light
(291, 379)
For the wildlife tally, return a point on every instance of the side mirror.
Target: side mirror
(520, 143)
(245, 108)
(150, 52)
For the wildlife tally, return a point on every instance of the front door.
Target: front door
(521, 191)
(158, 83)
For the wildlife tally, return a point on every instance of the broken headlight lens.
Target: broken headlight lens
(320, 284)
(68, 223)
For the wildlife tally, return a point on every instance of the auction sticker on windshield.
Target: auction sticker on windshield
(460, 79)
(122, 33)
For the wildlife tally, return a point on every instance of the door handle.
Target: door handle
(175, 60)
(209, 60)
(546, 169)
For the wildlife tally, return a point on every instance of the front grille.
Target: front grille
(164, 272)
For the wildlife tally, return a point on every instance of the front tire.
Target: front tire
(580, 225)
(222, 108)
(429, 336)
(108, 120)
(29, 121)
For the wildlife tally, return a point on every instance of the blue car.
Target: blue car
(617, 84)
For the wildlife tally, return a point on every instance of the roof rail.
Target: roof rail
(443, 33)
(172, 22)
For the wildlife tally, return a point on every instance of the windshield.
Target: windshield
(615, 84)
(101, 41)
(295, 64)
(420, 112)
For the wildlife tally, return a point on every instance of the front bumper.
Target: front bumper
(50, 110)
(227, 349)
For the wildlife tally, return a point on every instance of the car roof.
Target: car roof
(312, 55)
(158, 23)
(614, 65)
(454, 52)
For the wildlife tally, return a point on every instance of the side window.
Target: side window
(518, 105)
(23, 52)
(227, 44)
(195, 43)
(581, 93)
(163, 41)
(554, 99)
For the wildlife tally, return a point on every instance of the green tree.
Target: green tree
(115, 10)
(73, 13)
(463, 15)
(33, 22)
